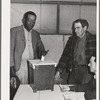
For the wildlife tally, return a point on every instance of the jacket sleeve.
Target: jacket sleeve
(84, 87)
(40, 47)
(90, 47)
(89, 95)
(12, 46)
(65, 57)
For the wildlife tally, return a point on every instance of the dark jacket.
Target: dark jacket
(89, 89)
(66, 60)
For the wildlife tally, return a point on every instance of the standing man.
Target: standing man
(25, 44)
(77, 53)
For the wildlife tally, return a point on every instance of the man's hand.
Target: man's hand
(57, 76)
(64, 88)
(44, 53)
(13, 82)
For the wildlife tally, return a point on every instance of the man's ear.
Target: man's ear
(23, 20)
(85, 28)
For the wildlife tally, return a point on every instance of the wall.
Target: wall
(54, 20)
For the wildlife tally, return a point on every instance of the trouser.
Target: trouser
(22, 73)
(79, 76)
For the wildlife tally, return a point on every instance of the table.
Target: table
(25, 92)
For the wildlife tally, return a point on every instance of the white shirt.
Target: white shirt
(28, 52)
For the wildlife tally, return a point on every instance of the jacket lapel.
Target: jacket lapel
(33, 38)
(21, 33)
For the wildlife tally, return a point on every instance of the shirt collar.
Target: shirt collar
(26, 30)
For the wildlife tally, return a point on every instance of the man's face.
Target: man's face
(79, 30)
(29, 22)
(92, 64)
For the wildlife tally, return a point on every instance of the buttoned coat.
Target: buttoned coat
(18, 43)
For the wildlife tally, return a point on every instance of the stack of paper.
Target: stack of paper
(73, 96)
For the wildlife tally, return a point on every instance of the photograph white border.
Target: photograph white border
(97, 51)
(5, 49)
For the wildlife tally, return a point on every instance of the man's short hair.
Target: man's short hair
(29, 13)
(82, 21)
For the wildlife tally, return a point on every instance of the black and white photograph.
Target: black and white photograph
(50, 50)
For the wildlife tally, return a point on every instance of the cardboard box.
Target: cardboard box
(41, 74)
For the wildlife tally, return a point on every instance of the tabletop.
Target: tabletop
(25, 92)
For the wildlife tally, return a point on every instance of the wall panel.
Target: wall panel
(89, 13)
(68, 13)
(48, 18)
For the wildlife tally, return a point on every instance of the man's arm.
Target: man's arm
(65, 57)
(83, 87)
(12, 47)
(40, 47)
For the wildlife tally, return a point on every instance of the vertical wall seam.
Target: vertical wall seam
(40, 15)
(58, 18)
(80, 9)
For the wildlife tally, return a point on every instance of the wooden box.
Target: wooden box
(41, 74)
